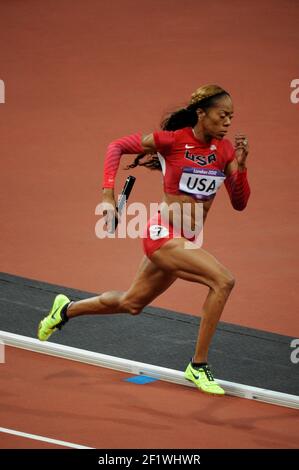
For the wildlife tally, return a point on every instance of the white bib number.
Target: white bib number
(158, 231)
(200, 182)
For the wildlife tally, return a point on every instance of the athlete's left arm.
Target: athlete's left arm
(236, 181)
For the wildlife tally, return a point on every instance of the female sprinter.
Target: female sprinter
(190, 148)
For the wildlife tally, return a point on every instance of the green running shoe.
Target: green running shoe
(203, 379)
(53, 320)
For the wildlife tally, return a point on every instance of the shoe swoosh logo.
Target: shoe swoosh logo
(53, 314)
(195, 376)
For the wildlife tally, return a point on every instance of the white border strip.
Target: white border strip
(35, 437)
(140, 368)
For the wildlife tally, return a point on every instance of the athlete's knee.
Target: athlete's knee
(225, 281)
(135, 310)
(131, 306)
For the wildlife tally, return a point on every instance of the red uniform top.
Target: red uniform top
(191, 166)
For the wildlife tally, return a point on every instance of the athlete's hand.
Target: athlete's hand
(241, 149)
(108, 206)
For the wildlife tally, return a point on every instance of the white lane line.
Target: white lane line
(35, 437)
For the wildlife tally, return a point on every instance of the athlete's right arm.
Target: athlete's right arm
(131, 144)
(158, 141)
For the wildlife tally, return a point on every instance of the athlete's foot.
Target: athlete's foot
(55, 319)
(203, 379)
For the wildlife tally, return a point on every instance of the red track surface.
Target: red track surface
(79, 74)
(92, 406)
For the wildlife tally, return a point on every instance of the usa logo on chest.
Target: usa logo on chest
(201, 160)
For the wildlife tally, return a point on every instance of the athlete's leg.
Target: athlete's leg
(197, 265)
(149, 283)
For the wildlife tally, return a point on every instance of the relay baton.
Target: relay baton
(128, 186)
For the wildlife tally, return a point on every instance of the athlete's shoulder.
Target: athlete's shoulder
(164, 140)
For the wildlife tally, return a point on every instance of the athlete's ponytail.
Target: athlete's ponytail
(184, 117)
